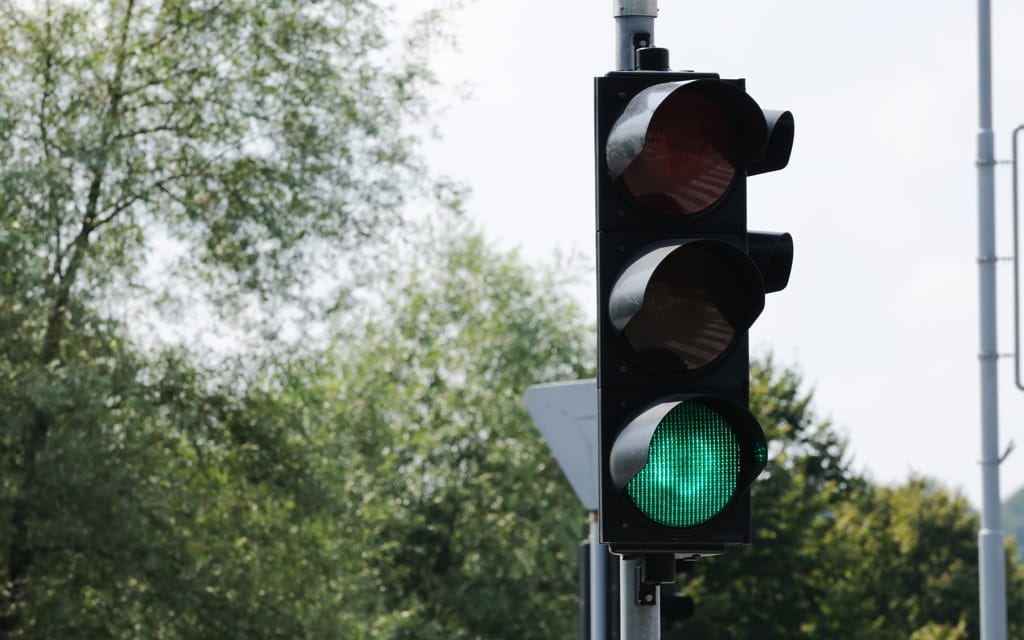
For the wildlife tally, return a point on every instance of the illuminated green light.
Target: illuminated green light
(692, 470)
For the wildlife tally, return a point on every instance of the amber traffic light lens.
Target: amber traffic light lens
(695, 300)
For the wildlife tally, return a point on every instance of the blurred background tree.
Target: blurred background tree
(1013, 519)
(171, 168)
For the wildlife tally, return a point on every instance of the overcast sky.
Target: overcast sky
(881, 313)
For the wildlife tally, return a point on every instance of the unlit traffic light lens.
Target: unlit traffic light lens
(692, 470)
(689, 156)
(679, 307)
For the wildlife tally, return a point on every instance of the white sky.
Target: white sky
(881, 313)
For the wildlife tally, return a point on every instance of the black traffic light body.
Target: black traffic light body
(680, 280)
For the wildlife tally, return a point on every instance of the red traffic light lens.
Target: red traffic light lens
(689, 156)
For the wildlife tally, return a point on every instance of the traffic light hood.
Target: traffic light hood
(780, 143)
(773, 255)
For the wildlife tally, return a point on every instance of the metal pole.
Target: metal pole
(991, 563)
(598, 581)
(636, 622)
(634, 26)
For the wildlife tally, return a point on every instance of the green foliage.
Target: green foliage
(922, 572)
(252, 144)
(466, 527)
(1013, 520)
(391, 487)
(209, 156)
(150, 513)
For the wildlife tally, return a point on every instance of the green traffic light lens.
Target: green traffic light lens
(692, 470)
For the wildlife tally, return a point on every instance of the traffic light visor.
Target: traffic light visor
(680, 306)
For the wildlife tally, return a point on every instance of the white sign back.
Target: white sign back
(566, 415)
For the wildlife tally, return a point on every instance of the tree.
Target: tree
(1013, 520)
(210, 155)
(917, 572)
(466, 528)
(268, 139)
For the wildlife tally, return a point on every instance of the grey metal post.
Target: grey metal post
(991, 562)
(598, 581)
(632, 17)
(636, 622)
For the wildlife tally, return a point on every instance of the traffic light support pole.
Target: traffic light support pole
(637, 621)
(991, 557)
(634, 26)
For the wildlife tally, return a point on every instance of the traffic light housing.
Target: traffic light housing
(680, 280)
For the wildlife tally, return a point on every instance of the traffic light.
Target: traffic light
(680, 280)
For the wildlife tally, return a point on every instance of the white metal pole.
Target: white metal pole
(991, 557)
